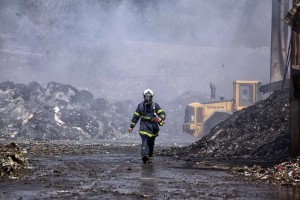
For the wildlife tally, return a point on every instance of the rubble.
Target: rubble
(11, 160)
(256, 136)
(258, 133)
(58, 112)
(63, 112)
(286, 173)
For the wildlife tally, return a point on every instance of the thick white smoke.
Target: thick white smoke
(118, 48)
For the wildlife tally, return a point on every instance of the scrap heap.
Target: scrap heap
(258, 133)
(256, 136)
(11, 160)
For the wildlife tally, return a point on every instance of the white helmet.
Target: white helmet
(148, 92)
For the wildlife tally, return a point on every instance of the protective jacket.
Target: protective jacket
(146, 112)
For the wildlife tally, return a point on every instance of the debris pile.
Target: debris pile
(11, 160)
(258, 133)
(256, 138)
(286, 173)
(58, 112)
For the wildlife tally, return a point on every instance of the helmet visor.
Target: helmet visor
(148, 97)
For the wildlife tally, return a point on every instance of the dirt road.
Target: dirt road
(115, 171)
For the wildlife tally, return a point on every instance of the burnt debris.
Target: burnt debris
(258, 134)
(58, 112)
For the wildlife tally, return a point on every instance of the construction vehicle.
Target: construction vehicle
(201, 117)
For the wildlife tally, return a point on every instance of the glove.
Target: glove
(156, 119)
(130, 130)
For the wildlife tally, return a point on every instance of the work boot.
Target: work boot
(145, 159)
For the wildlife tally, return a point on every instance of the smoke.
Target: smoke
(118, 48)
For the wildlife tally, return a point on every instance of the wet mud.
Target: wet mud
(116, 171)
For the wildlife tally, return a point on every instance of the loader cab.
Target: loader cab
(246, 93)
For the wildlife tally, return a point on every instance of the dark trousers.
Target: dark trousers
(147, 147)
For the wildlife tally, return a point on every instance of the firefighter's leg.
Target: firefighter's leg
(144, 148)
(151, 148)
(151, 143)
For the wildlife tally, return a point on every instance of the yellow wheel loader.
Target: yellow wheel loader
(201, 117)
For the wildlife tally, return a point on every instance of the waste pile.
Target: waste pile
(58, 112)
(12, 160)
(257, 133)
(285, 173)
(256, 136)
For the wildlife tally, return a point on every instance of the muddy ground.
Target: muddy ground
(113, 170)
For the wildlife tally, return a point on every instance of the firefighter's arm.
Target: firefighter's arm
(161, 116)
(134, 120)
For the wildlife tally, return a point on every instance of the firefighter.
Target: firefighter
(152, 116)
